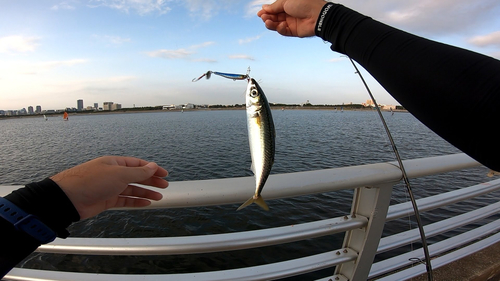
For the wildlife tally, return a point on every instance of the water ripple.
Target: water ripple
(213, 144)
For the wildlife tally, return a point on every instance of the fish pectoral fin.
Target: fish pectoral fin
(259, 201)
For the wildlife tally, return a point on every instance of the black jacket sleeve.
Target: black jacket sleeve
(46, 201)
(453, 91)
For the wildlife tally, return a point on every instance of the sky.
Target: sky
(146, 52)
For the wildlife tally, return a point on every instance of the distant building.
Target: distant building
(79, 106)
(38, 109)
(179, 106)
(107, 105)
(388, 107)
(30, 110)
(368, 103)
(116, 106)
(96, 106)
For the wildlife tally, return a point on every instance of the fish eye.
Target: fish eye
(254, 93)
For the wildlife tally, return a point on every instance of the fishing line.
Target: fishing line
(405, 178)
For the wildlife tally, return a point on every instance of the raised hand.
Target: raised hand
(292, 17)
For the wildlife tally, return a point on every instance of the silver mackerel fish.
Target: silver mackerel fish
(261, 136)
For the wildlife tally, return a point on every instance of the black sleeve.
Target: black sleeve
(453, 91)
(46, 201)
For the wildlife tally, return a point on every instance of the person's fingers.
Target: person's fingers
(271, 25)
(268, 17)
(137, 174)
(155, 182)
(161, 172)
(131, 202)
(139, 192)
(275, 7)
(261, 12)
(273, 22)
(283, 29)
(125, 161)
(139, 163)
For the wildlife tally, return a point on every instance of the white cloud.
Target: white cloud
(202, 45)
(116, 40)
(22, 67)
(241, 57)
(255, 6)
(248, 40)
(492, 39)
(65, 5)
(53, 64)
(112, 79)
(429, 16)
(142, 7)
(336, 59)
(170, 54)
(18, 44)
(205, 8)
(496, 55)
(180, 53)
(205, 60)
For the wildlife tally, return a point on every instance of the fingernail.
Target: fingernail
(152, 165)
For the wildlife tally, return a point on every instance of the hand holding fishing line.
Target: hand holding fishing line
(292, 18)
(105, 183)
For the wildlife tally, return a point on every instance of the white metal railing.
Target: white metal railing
(363, 226)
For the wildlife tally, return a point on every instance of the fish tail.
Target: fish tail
(257, 200)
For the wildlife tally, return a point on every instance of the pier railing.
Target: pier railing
(363, 226)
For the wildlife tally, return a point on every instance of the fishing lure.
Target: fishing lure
(232, 76)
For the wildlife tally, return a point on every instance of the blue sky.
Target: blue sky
(146, 52)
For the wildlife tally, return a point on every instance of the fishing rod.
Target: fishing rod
(405, 178)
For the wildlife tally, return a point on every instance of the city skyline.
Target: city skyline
(39, 109)
(112, 106)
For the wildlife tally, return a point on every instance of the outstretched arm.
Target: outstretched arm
(451, 90)
(78, 193)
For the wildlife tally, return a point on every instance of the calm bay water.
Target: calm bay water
(200, 145)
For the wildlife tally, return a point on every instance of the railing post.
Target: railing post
(372, 203)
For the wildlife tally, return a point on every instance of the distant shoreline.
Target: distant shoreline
(131, 111)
